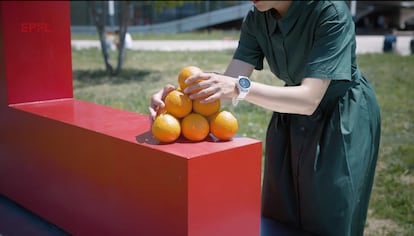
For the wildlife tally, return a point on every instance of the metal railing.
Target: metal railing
(196, 22)
(189, 23)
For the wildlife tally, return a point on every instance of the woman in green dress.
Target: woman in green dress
(323, 138)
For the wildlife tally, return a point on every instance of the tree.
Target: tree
(98, 11)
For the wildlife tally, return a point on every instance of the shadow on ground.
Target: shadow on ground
(86, 78)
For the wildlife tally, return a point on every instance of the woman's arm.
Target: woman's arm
(237, 67)
(302, 99)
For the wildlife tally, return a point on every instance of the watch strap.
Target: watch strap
(242, 92)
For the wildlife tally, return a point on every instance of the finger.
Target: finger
(206, 81)
(195, 87)
(157, 101)
(168, 88)
(209, 99)
(197, 77)
(152, 114)
(206, 92)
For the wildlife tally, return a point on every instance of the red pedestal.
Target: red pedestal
(96, 170)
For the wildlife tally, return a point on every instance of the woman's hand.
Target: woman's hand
(157, 101)
(211, 86)
(217, 86)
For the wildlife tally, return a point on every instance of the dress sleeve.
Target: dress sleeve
(334, 46)
(248, 49)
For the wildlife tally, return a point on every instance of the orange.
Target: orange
(210, 117)
(178, 104)
(166, 128)
(195, 127)
(206, 109)
(223, 125)
(185, 73)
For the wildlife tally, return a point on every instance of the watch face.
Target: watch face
(244, 82)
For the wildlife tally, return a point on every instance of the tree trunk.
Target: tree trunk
(123, 26)
(98, 13)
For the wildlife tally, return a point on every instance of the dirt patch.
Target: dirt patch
(378, 227)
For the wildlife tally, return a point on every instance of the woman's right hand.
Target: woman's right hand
(157, 101)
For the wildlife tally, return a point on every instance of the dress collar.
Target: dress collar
(286, 22)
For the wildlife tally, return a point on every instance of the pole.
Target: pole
(353, 8)
(111, 12)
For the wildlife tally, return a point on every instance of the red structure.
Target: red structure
(96, 170)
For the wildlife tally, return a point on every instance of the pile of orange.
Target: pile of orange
(191, 118)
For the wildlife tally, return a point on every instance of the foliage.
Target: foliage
(160, 5)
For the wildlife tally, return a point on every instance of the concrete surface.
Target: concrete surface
(365, 44)
(17, 221)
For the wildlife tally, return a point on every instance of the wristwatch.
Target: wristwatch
(243, 85)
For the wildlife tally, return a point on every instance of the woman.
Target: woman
(323, 138)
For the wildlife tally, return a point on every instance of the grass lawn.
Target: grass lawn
(392, 200)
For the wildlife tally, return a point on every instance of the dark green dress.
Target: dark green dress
(319, 169)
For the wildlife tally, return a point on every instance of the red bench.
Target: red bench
(96, 170)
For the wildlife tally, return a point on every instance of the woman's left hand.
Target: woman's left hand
(211, 86)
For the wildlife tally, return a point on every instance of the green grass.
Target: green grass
(392, 200)
(393, 193)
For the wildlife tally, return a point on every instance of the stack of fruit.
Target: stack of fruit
(191, 118)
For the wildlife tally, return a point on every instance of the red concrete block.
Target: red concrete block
(36, 51)
(96, 170)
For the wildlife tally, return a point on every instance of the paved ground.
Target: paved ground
(15, 220)
(365, 44)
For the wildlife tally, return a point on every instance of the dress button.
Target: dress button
(302, 128)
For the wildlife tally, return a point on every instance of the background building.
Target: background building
(371, 17)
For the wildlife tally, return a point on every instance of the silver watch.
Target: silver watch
(243, 85)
